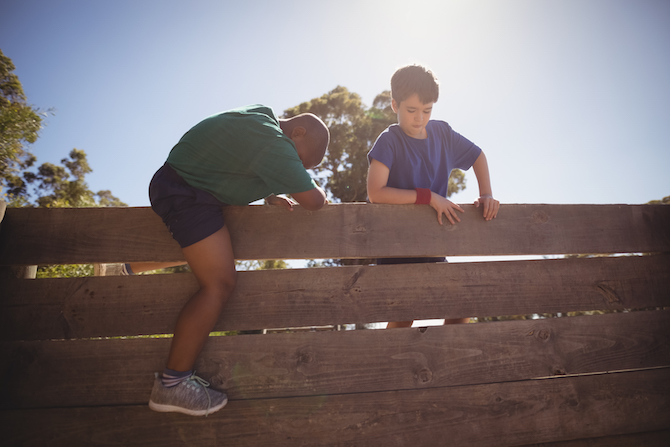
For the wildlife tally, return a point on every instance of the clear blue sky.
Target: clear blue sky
(570, 99)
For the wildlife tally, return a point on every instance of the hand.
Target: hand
(490, 206)
(446, 207)
(281, 201)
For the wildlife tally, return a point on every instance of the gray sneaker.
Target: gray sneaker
(189, 397)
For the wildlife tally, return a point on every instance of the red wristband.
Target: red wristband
(423, 196)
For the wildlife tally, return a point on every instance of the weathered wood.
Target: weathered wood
(659, 438)
(501, 414)
(65, 236)
(14, 271)
(110, 306)
(260, 366)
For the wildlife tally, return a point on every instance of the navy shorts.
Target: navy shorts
(190, 214)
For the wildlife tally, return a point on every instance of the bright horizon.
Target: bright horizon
(568, 99)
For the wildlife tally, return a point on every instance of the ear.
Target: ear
(298, 131)
(394, 106)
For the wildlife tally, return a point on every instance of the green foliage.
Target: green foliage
(664, 201)
(58, 186)
(19, 124)
(353, 130)
(63, 271)
(54, 186)
(261, 265)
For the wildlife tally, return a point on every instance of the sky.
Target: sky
(569, 99)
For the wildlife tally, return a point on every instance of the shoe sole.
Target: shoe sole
(161, 408)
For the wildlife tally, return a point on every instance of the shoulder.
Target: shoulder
(249, 115)
(390, 135)
(439, 126)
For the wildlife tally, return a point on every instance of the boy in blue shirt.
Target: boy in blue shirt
(411, 161)
(232, 158)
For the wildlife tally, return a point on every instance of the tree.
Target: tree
(19, 125)
(59, 186)
(353, 130)
(52, 185)
(664, 201)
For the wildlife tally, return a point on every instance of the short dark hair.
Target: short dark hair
(317, 132)
(412, 79)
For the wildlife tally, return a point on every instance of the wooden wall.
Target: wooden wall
(70, 378)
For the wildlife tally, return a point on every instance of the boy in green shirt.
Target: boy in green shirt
(233, 158)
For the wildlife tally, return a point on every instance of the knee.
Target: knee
(221, 286)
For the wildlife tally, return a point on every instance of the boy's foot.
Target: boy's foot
(191, 396)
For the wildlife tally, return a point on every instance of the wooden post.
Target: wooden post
(15, 271)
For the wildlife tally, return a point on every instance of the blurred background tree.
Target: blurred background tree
(20, 124)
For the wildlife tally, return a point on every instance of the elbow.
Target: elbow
(313, 206)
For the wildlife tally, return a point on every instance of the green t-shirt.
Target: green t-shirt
(240, 156)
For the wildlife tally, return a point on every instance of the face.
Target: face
(413, 115)
(303, 146)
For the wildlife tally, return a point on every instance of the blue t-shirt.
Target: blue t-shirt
(415, 163)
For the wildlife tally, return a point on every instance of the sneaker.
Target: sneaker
(191, 396)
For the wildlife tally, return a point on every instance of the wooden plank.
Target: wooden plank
(110, 306)
(500, 414)
(659, 438)
(259, 366)
(353, 230)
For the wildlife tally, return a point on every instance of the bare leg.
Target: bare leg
(397, 324)
(213, 265)
(456, 320)
(138, 267)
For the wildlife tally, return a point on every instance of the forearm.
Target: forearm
(481, 169)
(387, 194)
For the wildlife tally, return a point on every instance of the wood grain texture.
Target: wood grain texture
(302, 364)
(659, 438)
(353, 230)
(111, 306)
(500, 414)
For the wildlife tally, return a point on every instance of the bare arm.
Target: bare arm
(489, 205)
(378, 192)
(311, 200)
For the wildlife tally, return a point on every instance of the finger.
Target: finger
(451, 215)
(492, 210)
(451, 205)
(495, 209)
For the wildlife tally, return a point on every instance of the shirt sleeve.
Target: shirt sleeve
(382, 150)
(464, 152)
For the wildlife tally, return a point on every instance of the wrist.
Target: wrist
(423, 196)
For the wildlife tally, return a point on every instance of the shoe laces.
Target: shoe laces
(202, 382)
